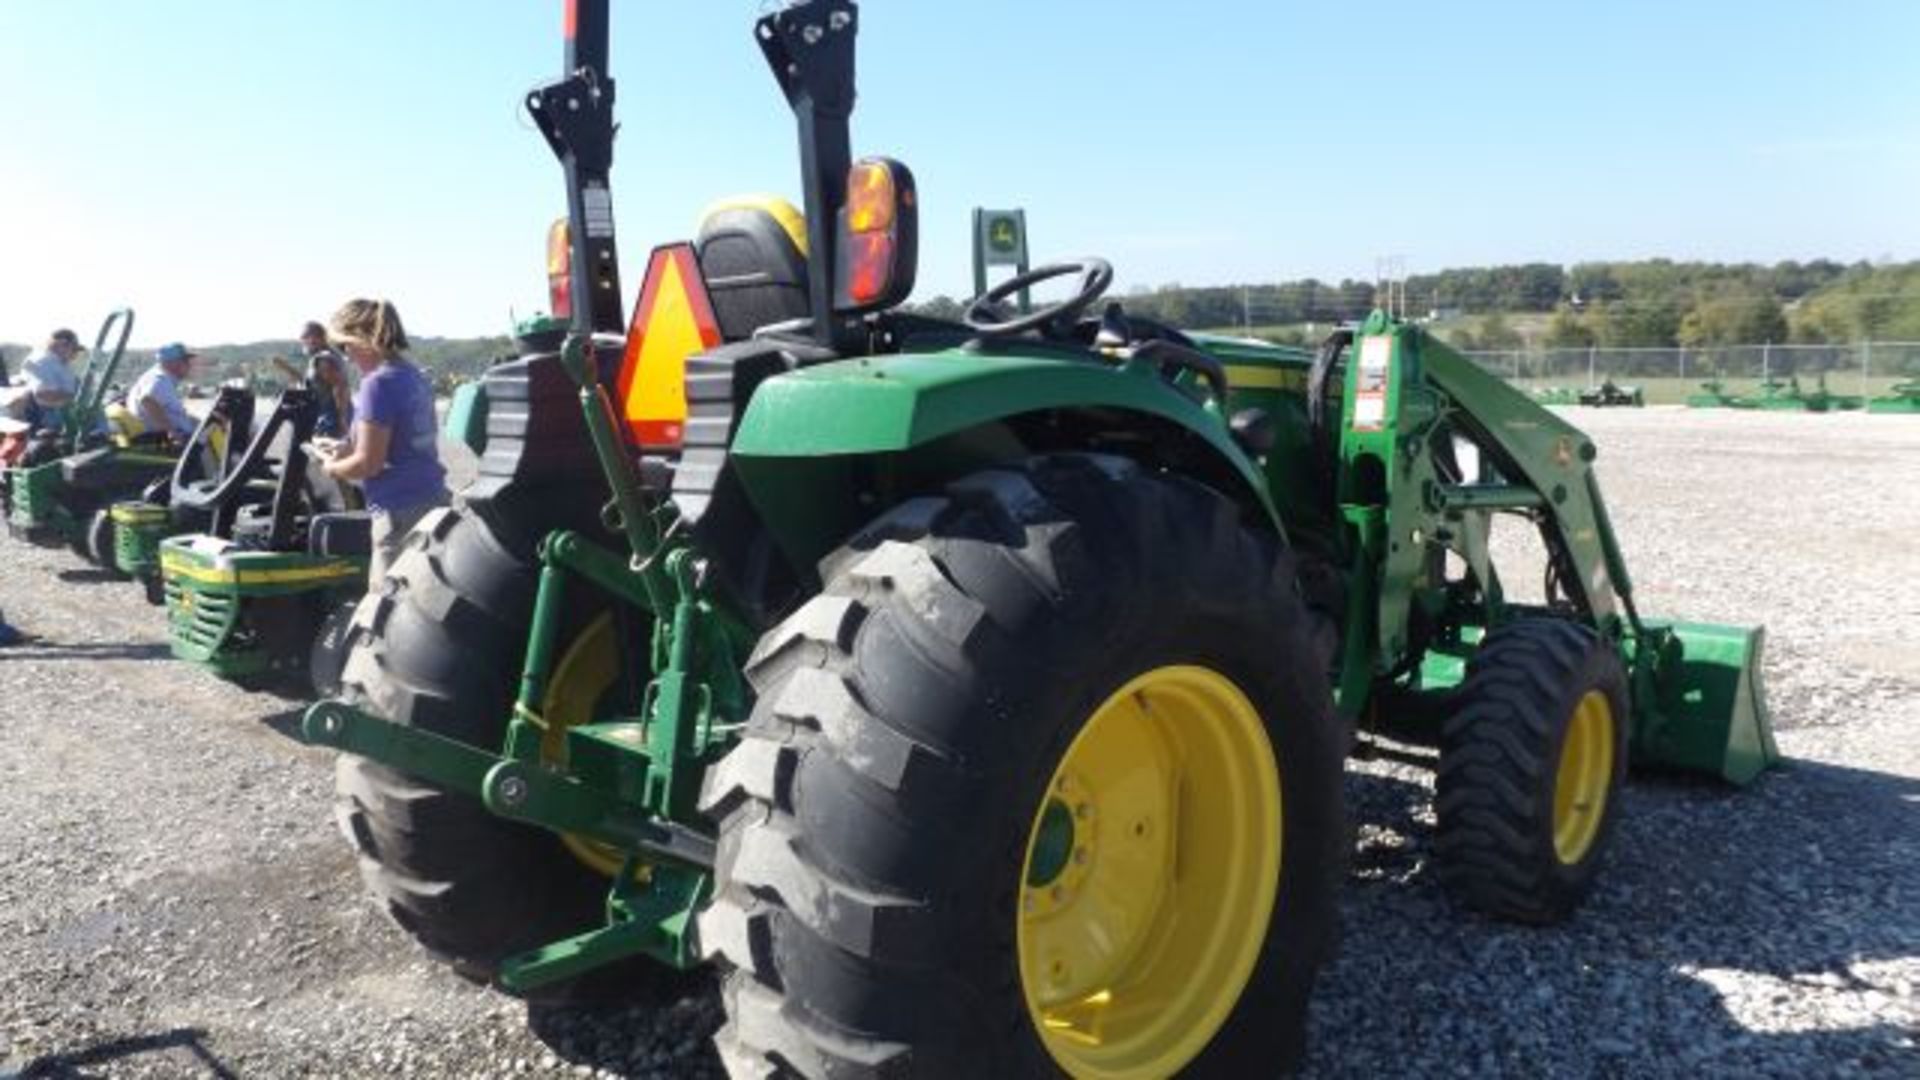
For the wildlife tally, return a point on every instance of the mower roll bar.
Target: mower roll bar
(85, 414)
(295, 406)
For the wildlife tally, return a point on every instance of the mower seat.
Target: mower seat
(107, 469)
(342, 534)
(753, 257)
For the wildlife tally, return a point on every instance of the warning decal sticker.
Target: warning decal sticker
(1370, 383)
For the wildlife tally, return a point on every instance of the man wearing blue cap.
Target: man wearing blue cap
(155, 395)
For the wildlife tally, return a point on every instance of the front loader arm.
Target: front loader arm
(1696, 699)
(1534, 448)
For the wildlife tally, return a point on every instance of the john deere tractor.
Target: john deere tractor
(60, 488)
(975, 694)
(262, 595)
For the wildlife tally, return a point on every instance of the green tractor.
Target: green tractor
(262, 595)
(1713, 395)
(1790, 396)
(1902, 397)
(1609, 395)
(975, 694)
(61, 487)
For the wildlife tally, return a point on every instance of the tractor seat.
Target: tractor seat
(342, 534)
(753, 257)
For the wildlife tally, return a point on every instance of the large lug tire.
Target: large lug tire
(923, 725)
(1531, 761)
(439, 646)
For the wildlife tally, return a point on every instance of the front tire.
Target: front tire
(952, 749)
(1530, 767)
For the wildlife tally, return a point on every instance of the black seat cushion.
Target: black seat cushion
(343, 534)
(752, 264)
(108, 469)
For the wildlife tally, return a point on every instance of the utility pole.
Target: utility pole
(1246, 313)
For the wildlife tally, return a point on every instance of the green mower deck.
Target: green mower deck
(1901, 398)
(243, 614)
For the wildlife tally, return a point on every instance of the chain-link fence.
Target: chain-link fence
(1667, 376)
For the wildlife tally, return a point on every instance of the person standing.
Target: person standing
(155, 396)
(49, 375)
(392, 449)
(327, 374)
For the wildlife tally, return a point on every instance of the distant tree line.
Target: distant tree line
(1653, 302)
(449, 361)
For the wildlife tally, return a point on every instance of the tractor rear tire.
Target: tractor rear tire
(438, 646)
(1531, 761)
(924, 722)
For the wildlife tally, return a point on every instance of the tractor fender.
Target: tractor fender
(822, 449)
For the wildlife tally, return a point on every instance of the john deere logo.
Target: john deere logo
(1002, 236)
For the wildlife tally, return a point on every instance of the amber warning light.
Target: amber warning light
(877, 236)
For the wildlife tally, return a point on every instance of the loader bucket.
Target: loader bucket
(1707, 712)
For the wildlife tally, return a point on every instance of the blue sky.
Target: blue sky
(231, 169)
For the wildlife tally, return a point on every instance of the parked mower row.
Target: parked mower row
(256, 553)
(1789, 396)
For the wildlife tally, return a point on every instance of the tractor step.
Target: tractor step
(651, 913)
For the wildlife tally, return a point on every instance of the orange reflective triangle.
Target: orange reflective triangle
(673, 320)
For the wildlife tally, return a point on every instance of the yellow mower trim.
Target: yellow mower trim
(174, 566)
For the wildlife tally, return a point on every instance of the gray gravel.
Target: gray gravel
(175, 901)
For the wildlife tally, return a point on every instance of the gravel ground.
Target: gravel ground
(176, 902)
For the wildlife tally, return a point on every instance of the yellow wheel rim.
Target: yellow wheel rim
(1586, 773)
(1151, 872)
(586, 671)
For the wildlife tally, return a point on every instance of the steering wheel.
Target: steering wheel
(984, 318)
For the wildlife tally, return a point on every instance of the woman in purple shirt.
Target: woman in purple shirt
(393, 448)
